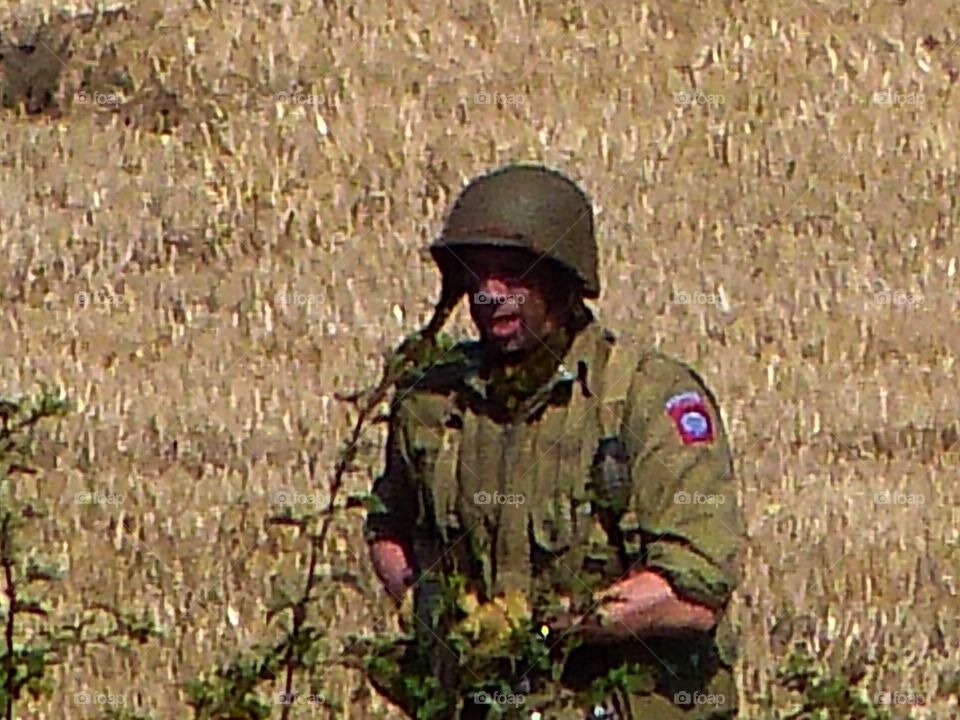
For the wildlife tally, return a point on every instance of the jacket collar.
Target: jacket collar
(574, 367)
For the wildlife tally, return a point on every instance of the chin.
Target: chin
(510, 346)
(521, 341)
(495, 341)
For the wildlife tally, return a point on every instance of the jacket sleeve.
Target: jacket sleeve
(683, 515)
(397, 487)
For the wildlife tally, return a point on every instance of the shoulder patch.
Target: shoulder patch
(689, 413)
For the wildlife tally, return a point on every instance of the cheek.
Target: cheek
(478, 312)
(534, 310)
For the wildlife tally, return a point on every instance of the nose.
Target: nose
(492, 285)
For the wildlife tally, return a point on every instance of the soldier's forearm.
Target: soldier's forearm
(677, 619)
(642, 605)
(668, 617)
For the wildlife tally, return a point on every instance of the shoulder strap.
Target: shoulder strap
(617, 362)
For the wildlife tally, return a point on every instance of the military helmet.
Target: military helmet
(523, 206)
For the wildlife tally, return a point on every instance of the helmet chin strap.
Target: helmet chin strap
(412, 347)
(451, 290)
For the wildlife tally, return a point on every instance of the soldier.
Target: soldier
(569, 479)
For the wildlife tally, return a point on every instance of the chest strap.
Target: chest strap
(610, 383)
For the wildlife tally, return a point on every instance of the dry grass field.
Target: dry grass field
(222, 222)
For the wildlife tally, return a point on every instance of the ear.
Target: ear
(556, 291)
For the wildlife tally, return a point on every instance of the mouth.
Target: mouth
(505, 326)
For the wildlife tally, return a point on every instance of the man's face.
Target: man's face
(515, 300)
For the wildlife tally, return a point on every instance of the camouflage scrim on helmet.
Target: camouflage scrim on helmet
(529, 207)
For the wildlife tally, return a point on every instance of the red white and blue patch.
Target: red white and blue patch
(689, 413)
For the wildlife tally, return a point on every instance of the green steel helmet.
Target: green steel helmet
(530, 207)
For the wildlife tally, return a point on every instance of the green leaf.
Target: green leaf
(372, 503)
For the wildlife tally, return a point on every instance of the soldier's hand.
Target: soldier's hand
(391, 562)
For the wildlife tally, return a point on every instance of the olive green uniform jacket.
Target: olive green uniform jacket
(532, 491)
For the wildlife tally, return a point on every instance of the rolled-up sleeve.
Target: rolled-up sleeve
(683, 518)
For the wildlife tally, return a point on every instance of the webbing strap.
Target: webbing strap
(611, 384)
